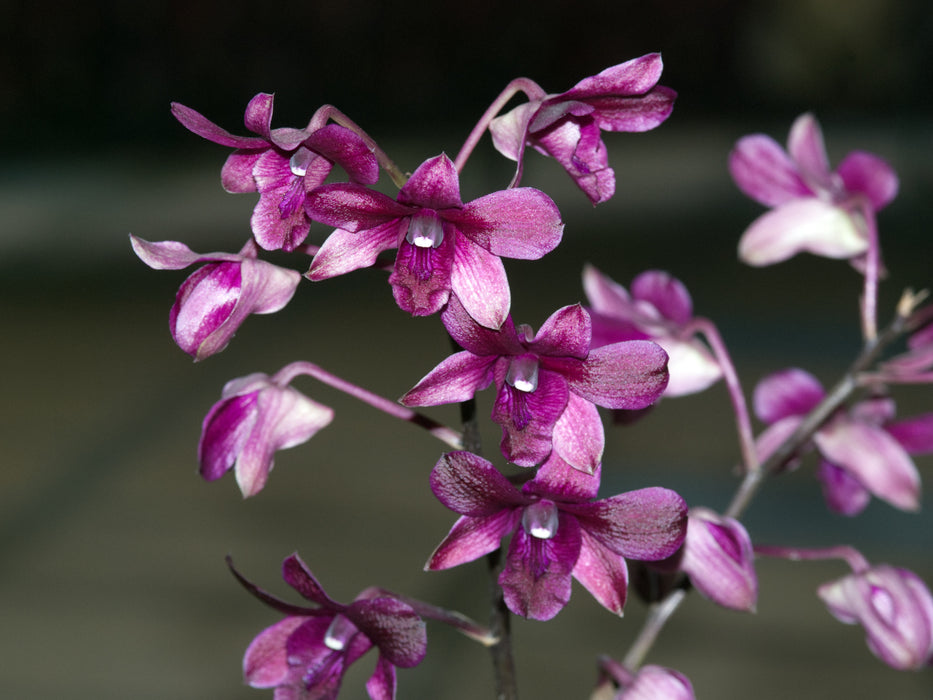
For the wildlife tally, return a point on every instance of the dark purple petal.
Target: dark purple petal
(666, 293)
(521, 223)
(348, 149)
(297, 575)
(764, 171)
(790, 392)
(434, 185)
(203, 127)
(393, 626)
(478, 280)
(455, 380)
(868, 174)
(204, 303)
(537, 575)
(353, 207)
(844, 493)
(265, 664)
(381, 685)
(478, 339)
(318, 670)
(566, 333)
(224, 431)
(915, 434)
(421, 277)
(528, 417)
(631, 374)
(559, 481)
(602, 572)
(469, 485)
(647, 524)
(471, 538)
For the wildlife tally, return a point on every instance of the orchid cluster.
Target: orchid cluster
(623, 351)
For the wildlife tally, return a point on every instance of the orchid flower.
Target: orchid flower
(443, 244)
(305, 655)
(659, 308)
(813, 209)
(567, 126)
(283, 165)
(558, 531)
(255, 417)
(864, 451)
(548, 384)
(215, 300)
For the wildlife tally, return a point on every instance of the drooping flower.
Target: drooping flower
(255, 417)
(558, 530)
(443, 244)
(717, 556)
(215, 300)
(305, 656)
(864, 451)
(895, 608)
(283, 165)
(567, 126)
(659, 308)
(548, 384)
(813, 209)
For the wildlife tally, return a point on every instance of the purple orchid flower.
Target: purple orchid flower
(893, 605)
(558, 530)
(548, 385)
(283, 165)
(656, 682)
(864, 452)
(215, 300)
(659, 308)
(306, 654)
(443, 244)
(255, 417)
(813, 209)
(567, 126)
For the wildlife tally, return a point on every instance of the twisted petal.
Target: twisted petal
(348, 149)
(558, 480)
(537, 575)
(381, 685)
(509, 131)
(634, 114)
(630, 374)
(297, 575)
(393, 626)
(203, 127)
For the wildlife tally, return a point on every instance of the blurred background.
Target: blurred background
(112, 580)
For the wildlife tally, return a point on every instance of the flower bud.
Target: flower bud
(718, 557)
(893, 605)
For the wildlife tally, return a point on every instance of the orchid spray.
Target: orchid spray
(532, 511)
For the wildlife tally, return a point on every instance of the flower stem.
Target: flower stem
(441, 432)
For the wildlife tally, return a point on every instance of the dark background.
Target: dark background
(111, 548)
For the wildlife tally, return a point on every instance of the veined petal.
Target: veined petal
(471, 538)
(602, 572)
(205, 128)
(528, 417)
(236, 175)
(764, 171)
(297, 575)
(522, 223)
(578, 436)
(558, 480)
(478, 280)
(633, 77)
(630, 374)
(421, 277)
(352, 207)
(790, 392)
(346, 148)
(566, 333)
(344, 251)
(454, 380)
(435, 184)
(803, 225)
(870, 175)
(647, 524)
(265, 664)
(634, 114)
(469, 485)
(173, 255)
(224, 431)
(873, 457)
(536, 578)
(476, 338)
(393, 626)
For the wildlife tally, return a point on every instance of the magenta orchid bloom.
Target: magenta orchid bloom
(718, 557)
(255, 417)
(813, 209)
(567, 126)
(659, 308)
(443, 244)
(894, 606)
(656, 683)
(558, 531)
(864, 452)
(548, 385)
(283, 165)
(306, 654)
(215, 300)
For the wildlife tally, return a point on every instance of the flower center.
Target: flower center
(523, 373)
(540, 519)
(425, 230)
(339, 633)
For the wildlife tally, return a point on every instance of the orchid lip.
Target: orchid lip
(523, 373)
(425, 231)
(540, 519)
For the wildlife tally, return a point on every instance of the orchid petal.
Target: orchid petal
(764, 171)
(528, 418)
(633, 77)
(915, 435)
(844, 494)
(579, 438)
(634, 114)
(630, 374)
(805, 146)
(454, 380)
(666, 293)
(352, 207)
(476, 338)
(509, 131)
(790, 392)
(691, 366)
(203, 127)
(469, 485)
(435, 184)
(871, 176)
(344, 251)
(393, 626)
(348, 149)
(297, 575)
(265, 664)
(566, 333)
(471, 538)
(557, 479)
(382, 684)
(478, 280)
(602, 572)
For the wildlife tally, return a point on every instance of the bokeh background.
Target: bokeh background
(112, 581)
